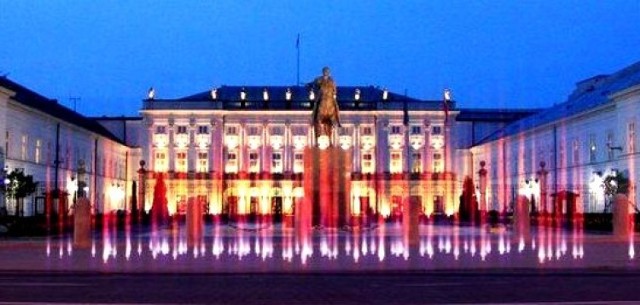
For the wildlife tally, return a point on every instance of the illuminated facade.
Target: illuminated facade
(240, 149)
(52, 143)
(567, 149)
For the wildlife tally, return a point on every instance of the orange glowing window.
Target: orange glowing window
(181, 162)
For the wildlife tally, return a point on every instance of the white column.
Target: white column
(191, 149)
(287, 166)
(427, 167)
(242, 155)
(357, 146)
(171, 147)
(212, 144)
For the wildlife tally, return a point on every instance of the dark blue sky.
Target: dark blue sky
(490, 53)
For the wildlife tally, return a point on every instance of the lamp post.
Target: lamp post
(142, 188)
(542, 180)
(482, 173)
(5, 186)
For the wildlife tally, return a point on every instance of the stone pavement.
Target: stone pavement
(271, 249)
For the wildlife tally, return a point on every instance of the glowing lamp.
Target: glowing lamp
(357, 95)
(323, 141)
(385, 94)
(447, 95)
(243, 94)
(287, 94)
(265, 95)
(151, 94)
(312, 95)
(214, 94)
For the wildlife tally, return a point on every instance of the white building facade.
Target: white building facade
(567, 149)
(56, 145)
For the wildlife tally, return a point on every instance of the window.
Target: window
(576, 152)
(367, 163)
(396, 162)
(23, 151)
(298, 163)
(416, 130)
(232, 163)
(181, 130)
(6, 144)
(254, 131)
(416, 163)
(631, 137)
(436, 130)
(299, 131)
(396, 130)
(609, 145)
(561, 156)
(277, 131)
(276, 162)
(161, 129)
(160, 162)
(203, 129)
(367, 131)
(592, 148)
(38, 150)
(254, 162)
(203, 162)
(437, 156)
(232, 130)
(181, 162)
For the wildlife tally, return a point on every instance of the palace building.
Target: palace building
(240, 150)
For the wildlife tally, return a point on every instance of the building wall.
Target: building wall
(272, 142)
(577, 154)
(31, 146)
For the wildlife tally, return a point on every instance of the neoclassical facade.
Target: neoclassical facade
(240, 149)
(568, 149)
(63, 151)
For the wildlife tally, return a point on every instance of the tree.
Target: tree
(615, 184)
(19, 187)
(468, 200)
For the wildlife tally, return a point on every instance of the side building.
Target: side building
(66, 153)
(560, 157)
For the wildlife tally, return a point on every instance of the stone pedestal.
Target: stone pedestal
(82, 224)
(327, 185)
(195, 225)
(622, 217)
(522, 218)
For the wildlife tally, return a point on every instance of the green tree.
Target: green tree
(20, 186)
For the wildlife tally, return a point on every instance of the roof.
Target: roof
(51, 107)
(589, 94)
(494, 115)
(229, 98)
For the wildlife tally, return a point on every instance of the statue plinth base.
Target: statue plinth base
(82, 224)
(327, 186)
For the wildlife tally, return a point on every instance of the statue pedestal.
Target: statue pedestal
(194, 222)
(327, 186)
(82, 224)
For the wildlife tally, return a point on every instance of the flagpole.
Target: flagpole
(298, 61)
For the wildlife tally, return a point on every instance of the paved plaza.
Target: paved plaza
(268, 264)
